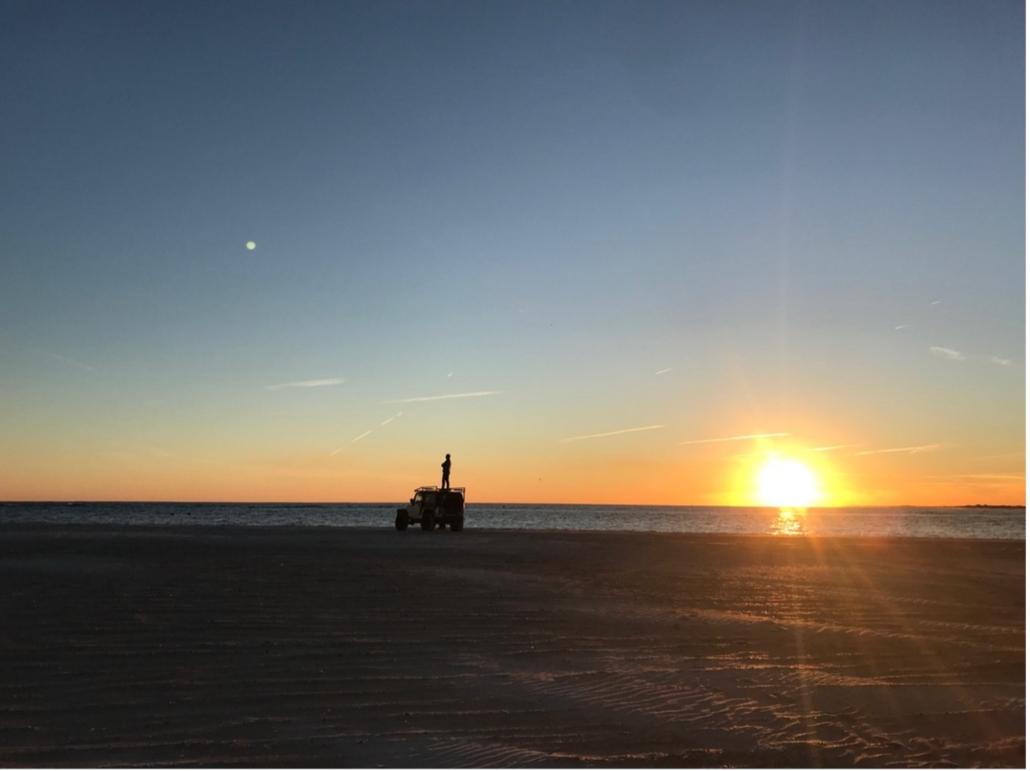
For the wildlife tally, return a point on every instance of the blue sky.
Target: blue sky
(549, 200)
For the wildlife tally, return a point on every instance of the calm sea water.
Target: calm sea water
(910, 522)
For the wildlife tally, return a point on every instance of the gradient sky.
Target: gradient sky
(698, 219)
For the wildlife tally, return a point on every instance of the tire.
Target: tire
(458, 524)
(428, 522)
(401, 523)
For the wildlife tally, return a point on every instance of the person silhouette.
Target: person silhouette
(445, 483)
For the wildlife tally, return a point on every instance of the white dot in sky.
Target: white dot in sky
(251, 246)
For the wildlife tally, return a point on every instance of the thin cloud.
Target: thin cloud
(994, 477)
(665, 371)
(738, 438)
(119, 454)
(1001, 362)
(900, 327)
(70, 361)
(468, 395)
(998, 481)
(908, 450)
(390, 419)
(936, 302)
(831, 447)
(359, 437)
(319, 383)
(1019, 454)
(947, 353)
(610, 433)
(135, 452)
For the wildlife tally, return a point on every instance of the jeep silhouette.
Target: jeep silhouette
(433, 507)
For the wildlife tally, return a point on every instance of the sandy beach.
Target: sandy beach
(350, 647)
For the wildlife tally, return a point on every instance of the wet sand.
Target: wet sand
(345, 647)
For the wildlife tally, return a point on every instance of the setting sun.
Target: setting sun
(784, 482)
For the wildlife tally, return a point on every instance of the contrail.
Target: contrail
(359, 437)
(739, 438)
(947, 353)
(328, 381)
(468, 395)
(910, 450)
(610, 433)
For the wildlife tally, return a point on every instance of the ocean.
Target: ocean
(914, 522)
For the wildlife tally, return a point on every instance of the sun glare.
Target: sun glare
(786, 483)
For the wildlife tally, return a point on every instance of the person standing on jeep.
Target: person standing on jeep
(445, 483)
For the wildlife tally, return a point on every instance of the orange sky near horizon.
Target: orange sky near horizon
(614, 470)
(674, 445)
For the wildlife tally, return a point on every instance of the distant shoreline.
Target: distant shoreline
(989, 506)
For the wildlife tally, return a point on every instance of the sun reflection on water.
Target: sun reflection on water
(789, 522)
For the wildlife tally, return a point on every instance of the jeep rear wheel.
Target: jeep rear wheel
(458, 524)
(401, 523)
(428, 522)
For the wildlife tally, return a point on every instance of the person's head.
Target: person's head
(448, 456)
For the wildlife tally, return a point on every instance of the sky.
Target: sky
(298, 251)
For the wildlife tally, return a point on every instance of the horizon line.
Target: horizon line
(66, 502)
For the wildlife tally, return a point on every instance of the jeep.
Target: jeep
(433, 507)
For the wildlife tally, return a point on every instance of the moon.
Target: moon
(251, 246)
